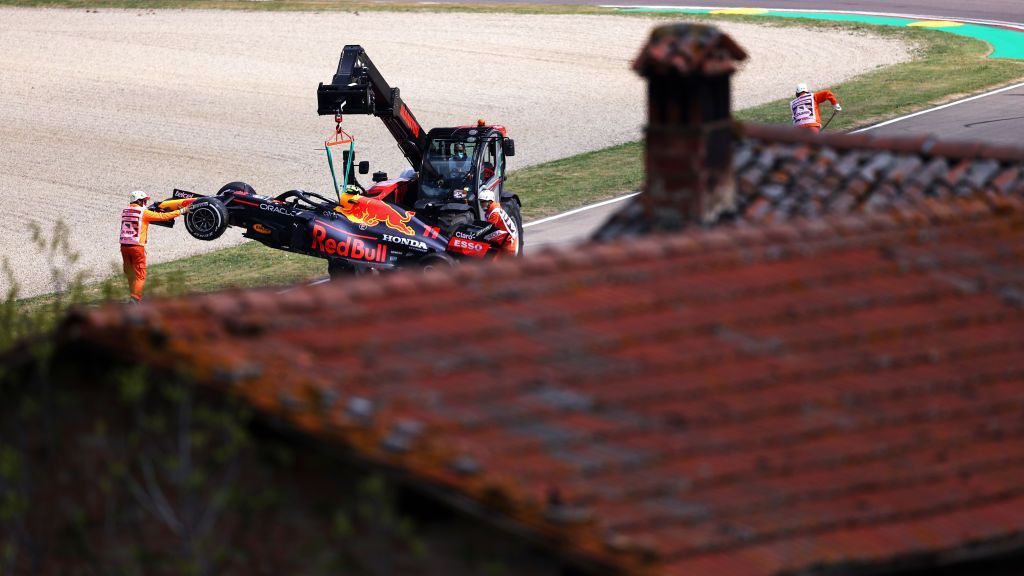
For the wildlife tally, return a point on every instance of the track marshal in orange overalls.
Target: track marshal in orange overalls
(806, 107)
(506, 234)
(135, 221)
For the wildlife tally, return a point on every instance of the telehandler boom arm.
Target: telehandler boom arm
(359, 88)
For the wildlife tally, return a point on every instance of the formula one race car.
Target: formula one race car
(451, 204)
(357, 234)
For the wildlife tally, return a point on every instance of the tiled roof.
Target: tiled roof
(784, 172)
(844, 391)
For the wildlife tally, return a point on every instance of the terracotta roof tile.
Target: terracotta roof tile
(856, 173)
(784, 173)
(839, 391)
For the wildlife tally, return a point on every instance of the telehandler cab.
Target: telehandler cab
(450, 166)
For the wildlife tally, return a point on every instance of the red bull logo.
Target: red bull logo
(371, 211)
(351, 247)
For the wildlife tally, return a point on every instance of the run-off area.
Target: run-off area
(98, 104)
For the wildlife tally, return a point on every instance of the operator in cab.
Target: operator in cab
(461, 161)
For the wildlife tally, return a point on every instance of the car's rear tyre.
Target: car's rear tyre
(206, 219)
(344, 269)
(435, 261)
(339, 269)
(240, 186)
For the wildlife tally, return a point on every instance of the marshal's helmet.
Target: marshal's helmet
(801, 88)
(138, 196)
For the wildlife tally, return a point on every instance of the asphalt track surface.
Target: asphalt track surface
(998, 118)
(995, 118)
(995, 10)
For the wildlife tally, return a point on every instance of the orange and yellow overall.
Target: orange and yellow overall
(506, 235)
(807, 109)
(134, 232)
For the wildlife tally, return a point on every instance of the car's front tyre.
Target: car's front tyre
(206, 219)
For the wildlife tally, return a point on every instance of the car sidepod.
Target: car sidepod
(267, 221)
(380, 236)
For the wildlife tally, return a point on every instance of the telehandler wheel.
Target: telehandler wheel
(511, 207)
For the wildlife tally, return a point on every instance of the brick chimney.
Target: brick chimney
(688, 154)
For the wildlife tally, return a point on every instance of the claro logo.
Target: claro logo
(410, 242)
(353, 248)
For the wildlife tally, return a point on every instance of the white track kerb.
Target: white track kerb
(581, 209)
(943, 107)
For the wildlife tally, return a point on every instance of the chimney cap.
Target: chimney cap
(688, 49)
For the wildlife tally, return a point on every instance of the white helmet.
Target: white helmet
(138, 196)
(801, 88)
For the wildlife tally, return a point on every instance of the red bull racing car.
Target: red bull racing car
(451, 205)
(356, 234)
